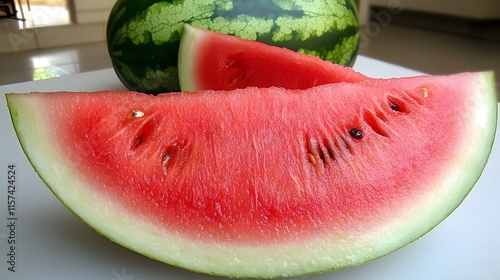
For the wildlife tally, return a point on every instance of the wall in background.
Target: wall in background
(476, 9)
(92, 11)
(90, 17)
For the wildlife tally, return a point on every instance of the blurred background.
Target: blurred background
(40, 39)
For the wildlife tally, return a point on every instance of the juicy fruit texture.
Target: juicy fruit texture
(210, 60)
(143, 36)
(264, 182)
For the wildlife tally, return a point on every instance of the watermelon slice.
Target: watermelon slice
(215, 61)
(264, 182)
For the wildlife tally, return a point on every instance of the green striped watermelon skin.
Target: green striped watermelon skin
(143, 36)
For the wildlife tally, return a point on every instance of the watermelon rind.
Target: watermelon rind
(143, 36)
(270, 261)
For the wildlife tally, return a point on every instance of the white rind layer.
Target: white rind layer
(187, 57)
(278, 260)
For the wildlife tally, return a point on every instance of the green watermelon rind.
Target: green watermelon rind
(262, 262)
(133, 24)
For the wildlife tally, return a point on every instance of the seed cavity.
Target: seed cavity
(170, 151)
(375, 121)
(344, 144)
(319, 150)
(144, 133)
(174, 155)
(136, 114)
(323, 151)
(165, 159)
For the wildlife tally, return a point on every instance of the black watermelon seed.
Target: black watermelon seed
(356, 133)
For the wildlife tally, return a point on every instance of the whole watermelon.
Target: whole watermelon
(143, 36)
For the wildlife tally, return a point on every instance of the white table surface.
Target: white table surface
(52, 243)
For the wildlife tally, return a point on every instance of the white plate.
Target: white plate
(52, 243)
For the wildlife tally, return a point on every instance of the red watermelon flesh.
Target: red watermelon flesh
(215, 61)
(264, 182)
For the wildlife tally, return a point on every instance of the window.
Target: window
(37, 13)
